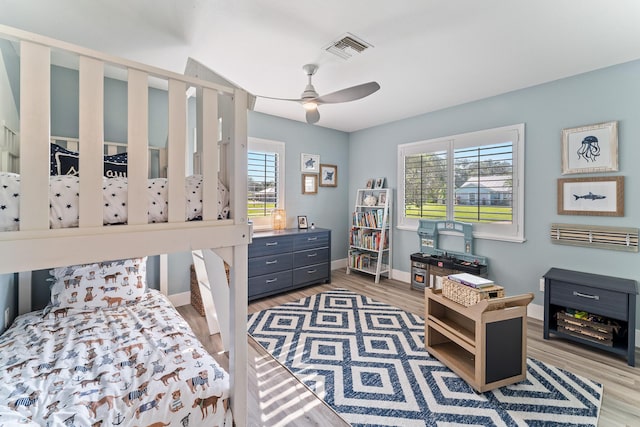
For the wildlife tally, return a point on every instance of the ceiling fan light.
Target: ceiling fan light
(310, 106)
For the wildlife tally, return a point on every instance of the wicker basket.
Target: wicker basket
(196, 296)
(466, 295)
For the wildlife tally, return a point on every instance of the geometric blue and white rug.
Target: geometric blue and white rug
(367, 360)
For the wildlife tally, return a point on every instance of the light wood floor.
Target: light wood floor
(277, 399)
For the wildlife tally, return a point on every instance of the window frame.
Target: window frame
(513, 232)
(269, 146)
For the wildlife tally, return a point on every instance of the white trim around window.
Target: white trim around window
(446, 147)
(277, 147)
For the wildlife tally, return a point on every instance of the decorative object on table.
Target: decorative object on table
(278, 219)
(309, 183)
(592, 148)
(598, 196)
(596, 236)
(393, 378)
(328, 176)
(369, 200)
(313, 226)
(310, 163)
(379, 182)
(369, 184)
(468, 295)
(302, 222)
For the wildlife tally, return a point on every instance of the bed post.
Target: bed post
(238, 349)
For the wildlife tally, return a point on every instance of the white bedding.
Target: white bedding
(137, 365)
(63, 196)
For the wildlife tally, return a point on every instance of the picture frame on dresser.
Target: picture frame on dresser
(588, 149)
(595, 196)
(302, 222)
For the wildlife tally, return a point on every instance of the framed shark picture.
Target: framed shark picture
(310, 163)
(596, 196)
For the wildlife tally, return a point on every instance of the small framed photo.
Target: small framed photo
(328, 176)
(597, 196)
(302, 222)
(310, 163)
(382, 198)
(309, 183)
(379, 183)
(591, 148)
(370, 183)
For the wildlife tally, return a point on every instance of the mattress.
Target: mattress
(64, 200)
(136, 365)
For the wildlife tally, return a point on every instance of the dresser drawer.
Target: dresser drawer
(310, 256)
(270, 245)
(269, 283)
(270, 264)
(309, 241)
(593, 300)
(310, 274)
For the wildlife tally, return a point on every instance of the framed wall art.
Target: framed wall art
(309, 183)
(310, 163)
(597, 196)
(591, 148)
(328, 176)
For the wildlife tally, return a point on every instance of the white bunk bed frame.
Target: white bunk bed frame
(35, 246)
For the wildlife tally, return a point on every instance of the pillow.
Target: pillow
(109, 284)
(65, 162)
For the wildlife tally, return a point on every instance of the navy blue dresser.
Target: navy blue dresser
(280, 261)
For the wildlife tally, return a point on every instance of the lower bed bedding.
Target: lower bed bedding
(64, 201)
(129, 364)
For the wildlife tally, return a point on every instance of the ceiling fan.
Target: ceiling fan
(310, 98)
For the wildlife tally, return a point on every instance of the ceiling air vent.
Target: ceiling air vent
(347, 46)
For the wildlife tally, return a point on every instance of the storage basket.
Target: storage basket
(600, 333)
(196, 297)
(466, 295)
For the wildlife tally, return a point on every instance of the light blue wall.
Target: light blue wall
(329, 208)
(600, 96)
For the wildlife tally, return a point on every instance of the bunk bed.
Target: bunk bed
(91, 250)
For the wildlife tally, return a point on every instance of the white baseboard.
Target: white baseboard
(183, 298)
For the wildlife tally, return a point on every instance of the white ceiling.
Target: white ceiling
(427, 54)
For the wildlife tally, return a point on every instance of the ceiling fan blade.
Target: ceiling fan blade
(313, 116)
(349, 94)
(281, 99)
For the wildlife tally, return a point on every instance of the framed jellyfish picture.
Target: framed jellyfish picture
(588, 149)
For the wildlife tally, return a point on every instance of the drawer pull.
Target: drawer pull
(311, 271)
(578, 294)
(312, 255)
(271, 244)
(271, 280)
(275, 261)
(311, 239)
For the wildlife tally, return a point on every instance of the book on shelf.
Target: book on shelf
(471, 280)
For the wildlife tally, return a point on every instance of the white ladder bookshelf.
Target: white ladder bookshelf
(370, 233)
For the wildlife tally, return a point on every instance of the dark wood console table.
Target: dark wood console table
(609, 297)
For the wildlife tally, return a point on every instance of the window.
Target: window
(476, 177)
(265, 181)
